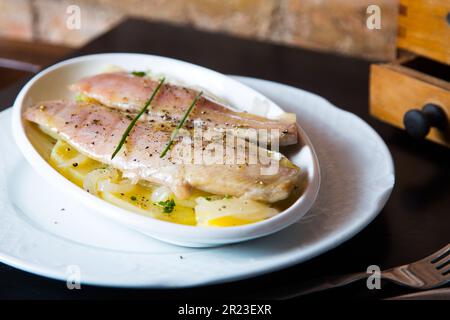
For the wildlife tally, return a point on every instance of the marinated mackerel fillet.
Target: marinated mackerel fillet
(127, 92)
(95, 131)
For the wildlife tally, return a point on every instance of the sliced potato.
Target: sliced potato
(228, 221)
(139, 200)
(200, 209)
(191, 201)
(71, 164)
(42, 142)
(231, 211)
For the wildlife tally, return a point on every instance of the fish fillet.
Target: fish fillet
(124, 91)
(95, 131)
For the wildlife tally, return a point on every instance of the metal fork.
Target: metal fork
(430, 272)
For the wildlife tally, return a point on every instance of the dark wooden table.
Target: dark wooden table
(414, 223)
(19, 58)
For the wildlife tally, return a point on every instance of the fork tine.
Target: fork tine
(439, 255)
(446, 272)
(443, 264)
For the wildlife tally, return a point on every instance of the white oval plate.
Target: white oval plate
(53, 83)
(37, 236)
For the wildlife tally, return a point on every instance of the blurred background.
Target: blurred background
(329, 25)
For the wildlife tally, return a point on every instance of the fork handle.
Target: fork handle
(326, 283)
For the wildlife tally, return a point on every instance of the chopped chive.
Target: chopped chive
(133, 122)
(177, 129)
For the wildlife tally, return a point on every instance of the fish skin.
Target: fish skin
(95, 131)
(124, 91)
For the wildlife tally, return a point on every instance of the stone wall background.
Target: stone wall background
(330, 25)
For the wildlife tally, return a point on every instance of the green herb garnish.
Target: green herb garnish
(139, 73)
(167, 205)
(133, 122)
(80, 97)
(177, 129)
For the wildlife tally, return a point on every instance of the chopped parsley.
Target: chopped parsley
(80, 97)
(139, 73)
(167, 205)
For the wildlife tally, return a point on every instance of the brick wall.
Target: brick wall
(332, 25)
